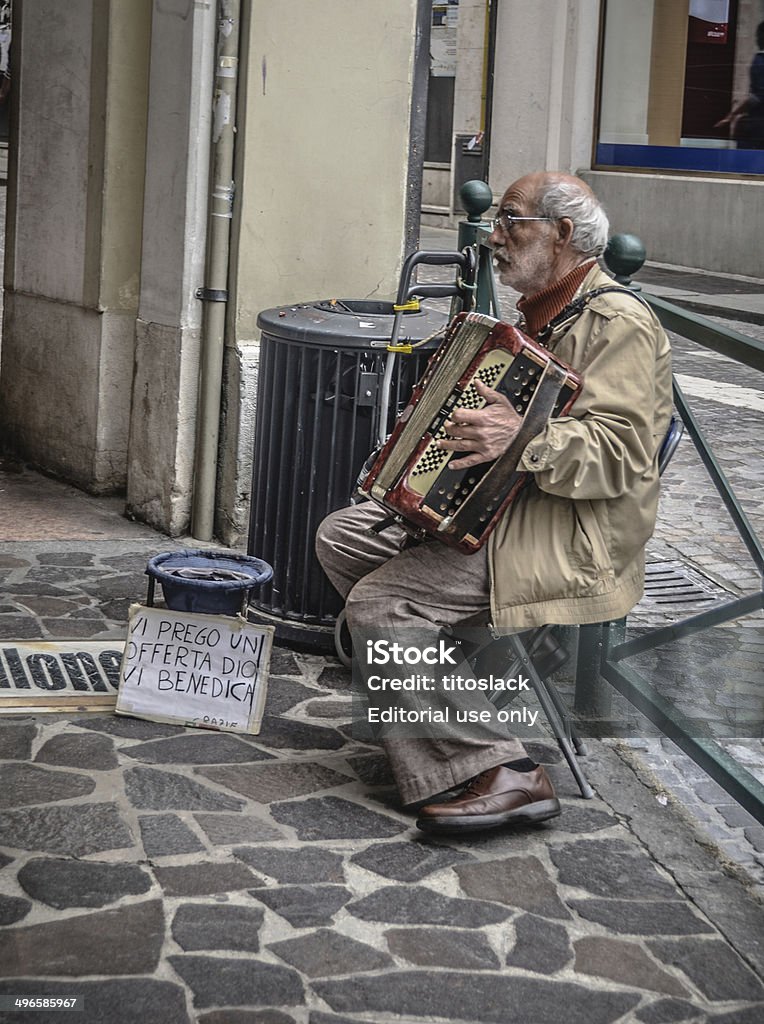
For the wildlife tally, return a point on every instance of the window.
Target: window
(440, 95)
(682, 86)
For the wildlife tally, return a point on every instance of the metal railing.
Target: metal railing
(693, 736)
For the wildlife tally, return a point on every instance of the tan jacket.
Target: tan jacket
(571, 547)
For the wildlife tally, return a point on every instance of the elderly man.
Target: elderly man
(569, 550)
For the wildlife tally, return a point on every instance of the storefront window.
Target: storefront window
(682, 86)
(440, 97)
(5, 66)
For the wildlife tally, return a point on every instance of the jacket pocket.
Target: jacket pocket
(588, 548)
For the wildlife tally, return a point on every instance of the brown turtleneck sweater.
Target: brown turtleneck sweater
(539, 309)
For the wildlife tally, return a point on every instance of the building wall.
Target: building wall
(544, 88)
(709, 223)
(106, 228)
(324, 155)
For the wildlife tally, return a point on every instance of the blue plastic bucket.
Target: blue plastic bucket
(211, 582)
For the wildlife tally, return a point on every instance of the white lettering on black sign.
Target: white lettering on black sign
(26, 667)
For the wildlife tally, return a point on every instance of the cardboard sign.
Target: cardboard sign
(208, 671)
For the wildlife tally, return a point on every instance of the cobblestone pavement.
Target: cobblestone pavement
(172, 875)
(169, 875)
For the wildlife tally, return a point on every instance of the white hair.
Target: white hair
(590, 223)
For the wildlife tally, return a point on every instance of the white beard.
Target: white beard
(527, 271)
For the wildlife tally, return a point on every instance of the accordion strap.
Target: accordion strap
(575, 308)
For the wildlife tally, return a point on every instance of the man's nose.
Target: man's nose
(496, 237)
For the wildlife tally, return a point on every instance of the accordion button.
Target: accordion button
(534, 458)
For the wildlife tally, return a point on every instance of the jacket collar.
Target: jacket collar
(593, 279)
(539, 309)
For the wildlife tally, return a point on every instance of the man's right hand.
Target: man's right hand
(486, 433)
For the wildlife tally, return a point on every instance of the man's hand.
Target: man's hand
(486, 432)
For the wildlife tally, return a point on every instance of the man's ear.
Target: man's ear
(564, 231)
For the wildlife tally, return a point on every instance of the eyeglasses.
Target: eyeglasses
(506, 221)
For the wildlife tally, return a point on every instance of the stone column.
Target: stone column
(469, 87)
(165, 386)
(544, 88)
(73, 235)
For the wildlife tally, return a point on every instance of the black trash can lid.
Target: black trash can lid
(350, 323)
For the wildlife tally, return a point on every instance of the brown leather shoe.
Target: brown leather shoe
(494, 798)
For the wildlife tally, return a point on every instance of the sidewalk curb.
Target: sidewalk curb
(716, 888)
(748, 316)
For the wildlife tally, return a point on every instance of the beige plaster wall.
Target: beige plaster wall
(321, 179)
(324, 156)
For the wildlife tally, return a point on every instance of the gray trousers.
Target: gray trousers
(398, 593)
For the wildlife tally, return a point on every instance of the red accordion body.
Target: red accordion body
(411, 475)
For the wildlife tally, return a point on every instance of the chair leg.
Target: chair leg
(553, 716)
(576, 740)
(500, 647)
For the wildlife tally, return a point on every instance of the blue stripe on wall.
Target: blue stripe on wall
(682, 158)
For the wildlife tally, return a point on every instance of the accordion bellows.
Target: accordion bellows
(412, 477)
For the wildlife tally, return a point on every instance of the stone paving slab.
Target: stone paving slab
(88, 596)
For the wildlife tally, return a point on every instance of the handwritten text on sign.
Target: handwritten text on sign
(203, 670)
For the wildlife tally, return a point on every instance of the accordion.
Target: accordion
(411, 475)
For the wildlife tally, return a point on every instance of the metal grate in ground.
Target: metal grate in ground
(674, 585)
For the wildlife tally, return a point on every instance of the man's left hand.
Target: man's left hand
(486, 432)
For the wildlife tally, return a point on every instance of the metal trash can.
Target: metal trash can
(213, 582)
(319, 376)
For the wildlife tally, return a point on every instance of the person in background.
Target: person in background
(746, 119)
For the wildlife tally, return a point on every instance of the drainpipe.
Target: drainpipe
(417, 125)
(214, 293)
(489, 68)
